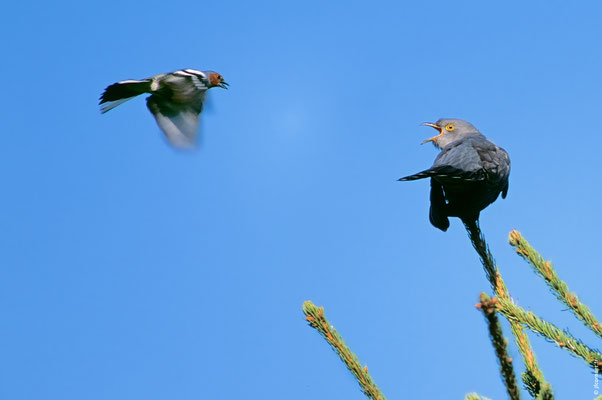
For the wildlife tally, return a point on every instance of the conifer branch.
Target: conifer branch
(488, 306)
(549, 331)
(545, 393)
(533, 378)
(480, 245)
(316, 319)
(547, 272)
(474, 396)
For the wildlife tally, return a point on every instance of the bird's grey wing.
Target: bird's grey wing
(505, 191)
(456, 161)
(460, 160)
(178, 121)
(121, 92)
(496, 162)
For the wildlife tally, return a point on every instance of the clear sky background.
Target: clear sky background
(133, 271)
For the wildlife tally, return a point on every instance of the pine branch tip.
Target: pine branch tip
(514, 237)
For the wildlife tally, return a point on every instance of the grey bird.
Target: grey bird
(468, 174)
(176, 100)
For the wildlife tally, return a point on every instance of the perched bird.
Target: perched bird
(176, 100)
(468, 174)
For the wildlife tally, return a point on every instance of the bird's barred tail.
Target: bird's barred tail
(450, 172)
(420, 175)
(121, 92)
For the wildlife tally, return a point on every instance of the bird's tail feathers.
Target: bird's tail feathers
(448, 171)
(419, 175)
(437, 214)
(121, 92)
(109, 105)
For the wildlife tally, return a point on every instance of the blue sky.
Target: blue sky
(130, 270)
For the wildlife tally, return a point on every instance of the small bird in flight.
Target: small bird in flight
(176, 100)
(468, 174)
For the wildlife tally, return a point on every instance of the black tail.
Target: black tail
(420, 175)
(448, 171)
(437, 214)
(121, 92)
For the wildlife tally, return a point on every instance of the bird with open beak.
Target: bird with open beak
(176, 100)
(468, 174)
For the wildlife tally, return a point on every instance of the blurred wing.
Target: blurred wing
(209, 104)
(179, 122)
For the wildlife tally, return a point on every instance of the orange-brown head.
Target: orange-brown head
(216, 79)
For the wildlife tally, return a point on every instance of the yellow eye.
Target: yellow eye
(450, 127)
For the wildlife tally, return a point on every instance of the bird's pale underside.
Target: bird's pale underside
(176, 100)
(468, 174)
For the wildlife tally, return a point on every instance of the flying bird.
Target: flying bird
(468, 174)
(176, 100)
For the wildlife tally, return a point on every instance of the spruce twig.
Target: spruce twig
(533, 377)
(475, 396)
(547, 272)
(545, 393)
(316, 319)
(549, 331)
(489, 308)
(480, 245)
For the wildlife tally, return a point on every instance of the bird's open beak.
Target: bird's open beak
(224, 85)
(434, 137)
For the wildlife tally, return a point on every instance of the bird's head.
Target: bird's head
(450, 130)
(216, 79)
